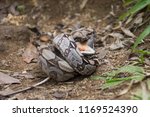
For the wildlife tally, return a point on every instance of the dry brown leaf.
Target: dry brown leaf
(59, 94)
(139, 18)
(147, 61)
(35, 3)
(117, 45)
(26, 74)
(6, 79)
(82, 5)
(145, 92)
(108, 28)
(116, 35)
(6, 91)
(13, 10)
(30, 53)
(101, 52)
(128, 32)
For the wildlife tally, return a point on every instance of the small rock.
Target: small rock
(59, 94)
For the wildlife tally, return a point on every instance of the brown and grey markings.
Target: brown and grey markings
(72, 62)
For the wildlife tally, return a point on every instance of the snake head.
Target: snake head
(85, 35)
(85, 49)
(84, 38)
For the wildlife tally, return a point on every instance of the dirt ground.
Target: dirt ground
(48, 15)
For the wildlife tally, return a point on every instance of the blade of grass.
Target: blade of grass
(117, 81)
(111, 84)
(113, 79)
(137, 7)
(128, 2)
(144, 52)
(145, 33)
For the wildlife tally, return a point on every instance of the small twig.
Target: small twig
(7, 71)
(130, 86)
(27, 88)
(125, 90)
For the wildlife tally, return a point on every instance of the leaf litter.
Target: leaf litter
(6, 79)
(30, 53)
(116, 35)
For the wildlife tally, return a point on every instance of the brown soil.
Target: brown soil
(47, 15)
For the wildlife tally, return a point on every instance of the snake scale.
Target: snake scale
(68, 55)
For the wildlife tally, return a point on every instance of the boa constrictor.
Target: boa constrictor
(63, 59)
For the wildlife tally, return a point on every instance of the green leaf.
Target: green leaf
(95, 77)
(132, 69)
(145, 33)
(111, 84)
(144, 52)
(128, 2)
(114, 79)
(137, 7)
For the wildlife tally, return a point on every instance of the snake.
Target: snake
(68, 55)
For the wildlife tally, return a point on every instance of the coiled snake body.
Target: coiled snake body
(64, 59)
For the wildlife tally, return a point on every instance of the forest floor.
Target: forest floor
(48, 16)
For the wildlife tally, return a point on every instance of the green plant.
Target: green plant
(141, 37)
(117, 77)
(142, 53)
(145, 33)
(139, 5)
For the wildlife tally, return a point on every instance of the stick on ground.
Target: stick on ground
(27, 88)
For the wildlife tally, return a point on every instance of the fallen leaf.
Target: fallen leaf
(128, 32)
(101, 52)
(30, 53)
(6, 79)
(117, 45)
(117, 35)
(26, 75)
(134, 58)
(145, 92)
(147, 61)
(59, 94)
(128, 42)
(13, 10)
(142, 93)
(129, 20)
(82, 5)
(139, 18)
(108, 28)
(6, 91)
(24, 89)
(124, 91)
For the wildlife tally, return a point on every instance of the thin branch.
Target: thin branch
(27, 88)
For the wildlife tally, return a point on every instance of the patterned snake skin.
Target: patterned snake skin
(63, 60)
